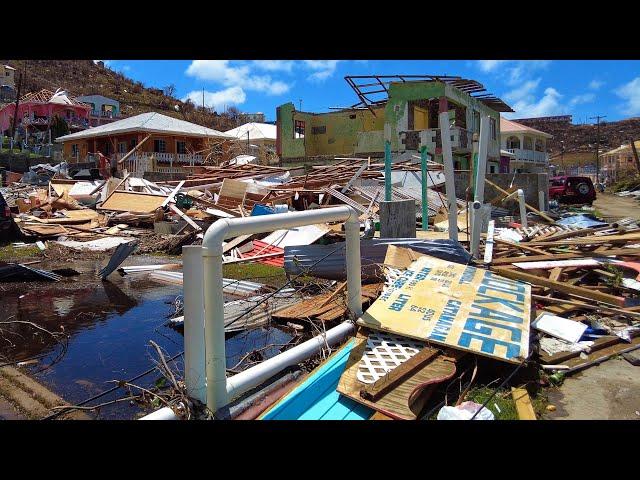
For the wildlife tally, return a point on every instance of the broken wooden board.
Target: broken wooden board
(563, 287)
(523, 403)
(73, 216)
(132, 202)
(407, 399)
(458, 306)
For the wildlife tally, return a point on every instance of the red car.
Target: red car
(572, 189)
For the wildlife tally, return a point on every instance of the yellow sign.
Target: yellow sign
(460, 306)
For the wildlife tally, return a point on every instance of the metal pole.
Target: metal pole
(447, 155)
(425, 197)
(598, 117)
(387, 171)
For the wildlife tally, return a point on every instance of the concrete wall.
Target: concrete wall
(531, 183)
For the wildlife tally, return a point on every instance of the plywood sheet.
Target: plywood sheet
(458, 306)
(407, 399)
(133, 202)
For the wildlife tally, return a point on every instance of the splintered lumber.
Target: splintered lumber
(172, 194)
(375, 390)
(133, 150)
(560, 287)
(576, 233)
(534, 210)
(186, 218)
(523, 404)
(593, 240)
(523, 247)
(235, 242)
(566, 256)
(631, 311)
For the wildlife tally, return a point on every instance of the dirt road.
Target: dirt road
(613, 206)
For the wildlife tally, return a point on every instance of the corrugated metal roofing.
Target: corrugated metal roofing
(151, 122)
(329, 261)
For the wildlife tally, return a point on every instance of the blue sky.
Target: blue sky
(582, 88)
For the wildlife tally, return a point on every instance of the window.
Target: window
(492, 169)
(7, 74)
(493, 128)
(132, 144)
(122, 147)
(159, 146)
(318, 130)
(181, 147)
(513, 143)
(75, 151)
(107, 148)
(298, 129)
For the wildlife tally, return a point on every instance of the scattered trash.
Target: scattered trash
(465, 411)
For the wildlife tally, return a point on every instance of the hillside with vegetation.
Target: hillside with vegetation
(580, 140)
(84, 77)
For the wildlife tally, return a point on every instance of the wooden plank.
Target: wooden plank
(488, 246)
(534, 210)
(525, 248)
(172, 194)
(407, 400)
(135, 202)
(593, 240)
(235, 242)
(559, 286)
(566, 256)
(133, 150)
(186, 218)
(523, 404)
(632, 311)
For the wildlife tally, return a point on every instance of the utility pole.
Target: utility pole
(598, 117)
(564, 170)
(15, 113)
(300, 103)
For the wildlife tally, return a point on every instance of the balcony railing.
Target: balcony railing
(529, 156)
(101, 114)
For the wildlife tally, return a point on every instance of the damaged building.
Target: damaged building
(400, 109)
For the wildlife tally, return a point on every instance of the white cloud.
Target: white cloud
(583, 98)
(489, 65)
(547, 105)
(323, 69)
(221, 71)
(630, 92)
(525, 68)
(274, 65)
(595, 84)
(218, 100)
(525, 91)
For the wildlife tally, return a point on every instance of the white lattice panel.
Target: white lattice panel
(385, 352)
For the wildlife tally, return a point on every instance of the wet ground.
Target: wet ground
(109, 325)
(609, 391)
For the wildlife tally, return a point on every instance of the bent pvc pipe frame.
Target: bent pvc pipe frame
(219, 390)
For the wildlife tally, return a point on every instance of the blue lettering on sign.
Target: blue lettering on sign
(489, 344)
(482, 327)
(443, 325)
(467, 275)
(400, 302)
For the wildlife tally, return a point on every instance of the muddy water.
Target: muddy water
(109, 325)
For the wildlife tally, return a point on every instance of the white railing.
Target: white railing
(138, 163)
(531, 156)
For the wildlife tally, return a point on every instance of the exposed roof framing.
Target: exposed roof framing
(372, 90)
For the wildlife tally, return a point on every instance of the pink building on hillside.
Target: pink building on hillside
(36, 112)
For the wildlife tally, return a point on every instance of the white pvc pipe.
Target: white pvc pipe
(194, 348)
(447, 156)
(523, 210)
(476, 227)
(254, 376)
(165, 413)
(217, 396)
(541, 202)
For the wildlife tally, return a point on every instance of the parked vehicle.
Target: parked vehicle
(566, 189)
(6, 221)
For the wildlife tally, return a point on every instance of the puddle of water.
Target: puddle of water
(109, 325)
